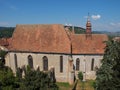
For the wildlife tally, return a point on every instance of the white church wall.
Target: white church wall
(85, 64)
(53, 61)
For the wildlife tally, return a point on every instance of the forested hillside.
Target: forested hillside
(78, 30)
(6, 32)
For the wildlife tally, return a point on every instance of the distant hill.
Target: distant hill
(6, 32)
(78, 30)
(113, 34)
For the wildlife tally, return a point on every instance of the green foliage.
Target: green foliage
(2, 60)
(80, 76)
(7, 79)
(64, 86)
(35, 80)
(6, 32)
(108, 74)
(92, 83)
(3, 53)
(78, 30)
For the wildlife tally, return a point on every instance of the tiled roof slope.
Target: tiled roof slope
(40, 38)
(89, 45)
(4, 42)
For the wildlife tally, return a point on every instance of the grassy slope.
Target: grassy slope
(64, 86)
(88, 85)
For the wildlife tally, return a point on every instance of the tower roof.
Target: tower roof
(88, 21)
(88, 24)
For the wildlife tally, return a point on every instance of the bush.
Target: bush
(80, 76)
(36, 80)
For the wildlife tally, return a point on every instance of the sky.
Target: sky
(104, 14)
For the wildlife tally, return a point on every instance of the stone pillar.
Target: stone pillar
(84, 72)
(70, 71)
(71, 77)
(52, 74)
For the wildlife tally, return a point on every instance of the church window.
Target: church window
(45, 63)
(30, 61)
(77, 64)
(15, 59)
(92, 64)
(61, 64)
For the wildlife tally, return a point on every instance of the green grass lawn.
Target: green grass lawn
(64, 86)
(88, 85)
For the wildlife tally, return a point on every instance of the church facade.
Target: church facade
(52, 46)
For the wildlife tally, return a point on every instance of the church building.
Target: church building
(53, 46)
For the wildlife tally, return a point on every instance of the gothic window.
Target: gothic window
(15, 59)
(77, 64)
(92, 65)
(45, 63)
(61, 64)
(30, 61)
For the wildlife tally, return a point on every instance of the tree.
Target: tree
(6, 32)
(2, 58)
(7, 79)
(80, 75)
(36, 80)
(109, 72)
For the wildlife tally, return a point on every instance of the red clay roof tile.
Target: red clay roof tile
(55, 39)
(40, 38)
(89, 45)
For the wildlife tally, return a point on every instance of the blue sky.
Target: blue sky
(104, 14)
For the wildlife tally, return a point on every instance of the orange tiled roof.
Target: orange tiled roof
(83, 45)
(4, 42)
(40, 38)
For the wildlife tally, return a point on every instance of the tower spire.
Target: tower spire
(88, 18)
(88, 27)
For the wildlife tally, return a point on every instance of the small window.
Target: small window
(92, 65)
(45, 63)
(61, 64)
(30, 61)
(77, 64)
(15, 58)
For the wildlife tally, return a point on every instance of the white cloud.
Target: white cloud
(4, 23)
(115, 24)
(95, 17)
(112, 27)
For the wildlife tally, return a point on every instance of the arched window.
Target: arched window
(30, 61)
(45, 63)
(61, 63)
(15, 59)
(92, 64)
(77, 64)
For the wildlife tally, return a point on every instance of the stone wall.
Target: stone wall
(53, 61)
(85, 64)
